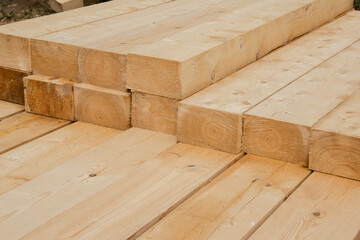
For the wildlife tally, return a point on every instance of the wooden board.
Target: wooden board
(9, 109)
(33, 204)
(335, 140)
(96, 53)
(235, 204)
(25, 127)
(11, 85)
(324, 207)
(15, 37)
(29, 161)
(101, 106)
(188, 61)
(138, 200)
(213, 117)
(49, 96)
(279, 127)
(154, 112)
(65, 5)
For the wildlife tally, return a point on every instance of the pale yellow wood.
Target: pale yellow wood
(29, 161)
(15, 37)
(101, 106)
(213, 117)
(29, 206)
(49, 96)
(140, 198)
(96, 53)
(8, 109)
(235, 204)
(187, 61)
(324, 207)
(154, 112)
(279, 127)
(65, 5)
(335, 140)
(11, 85)
(25, 127)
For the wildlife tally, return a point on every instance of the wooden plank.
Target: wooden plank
(29, 161)
(11, 86)
(15, 37)
(132, 204)
(279, 127)
(335, 141)
(65, 5)
(25, 127)
(9, 109)
(101, 106)
(154, 112)
(96, 53)
(213, 117)
(323, 207)
(47, 196)
(235, 204)
(188, 61)
(49, 96)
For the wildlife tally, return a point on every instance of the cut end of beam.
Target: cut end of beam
(100, 106)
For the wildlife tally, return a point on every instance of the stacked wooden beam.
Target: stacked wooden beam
(165, 52)
(15, 56)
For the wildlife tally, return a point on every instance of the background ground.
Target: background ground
(17, 10)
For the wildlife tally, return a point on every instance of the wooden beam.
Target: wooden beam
(190, 60)
(49, 96)
(25, 127)
(137, 199)
(29, 161)
(65, 5)
(279, 127)
(323, 207)
(101, 106)
(335, 141)
(9, 109)
(11, 86)
(96, 53)
(15, 37)
(235, 204)
(213, 117)
(78, 180)
(154, 112)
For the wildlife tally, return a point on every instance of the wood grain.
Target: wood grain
(213, 117)
(96, 52)
(235, 204)
(154, 112)
(188, 61)
(15, 37)
(279, 127)
(140, 199)
(29, 161)
(104, 107)
(335, 140)
(11, 86)
(73, 182)
(9, 109)
(25, 127)
(323, 207)
(49, 96)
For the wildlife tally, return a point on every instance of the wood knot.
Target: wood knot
(316, 214)
(92, 175)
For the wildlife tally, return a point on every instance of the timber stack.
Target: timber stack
(276, 80)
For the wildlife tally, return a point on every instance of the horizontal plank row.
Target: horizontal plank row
(15, 37)
(214, 116)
